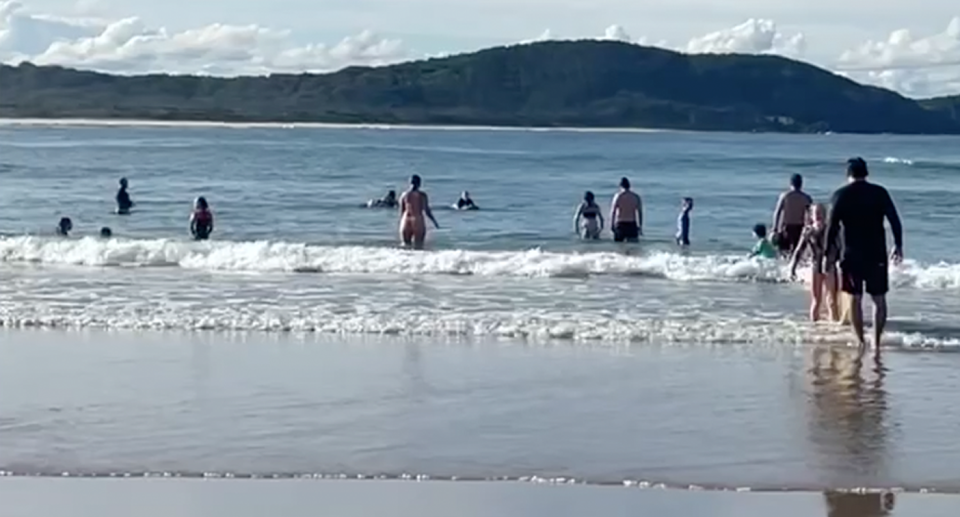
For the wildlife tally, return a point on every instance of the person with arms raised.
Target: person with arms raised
(859, 209)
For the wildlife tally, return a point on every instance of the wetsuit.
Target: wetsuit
(683, 228)
(123, 201)
(859, 208)
(202, 224)
(465, 204)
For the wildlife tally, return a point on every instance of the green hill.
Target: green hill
(949, 106)
(559, 83)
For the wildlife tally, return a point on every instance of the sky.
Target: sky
(912, 47)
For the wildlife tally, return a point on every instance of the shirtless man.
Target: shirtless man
(859, 209)
(413, 206)
(626, 214)
(790, 215)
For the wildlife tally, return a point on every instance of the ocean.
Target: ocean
(302, 339)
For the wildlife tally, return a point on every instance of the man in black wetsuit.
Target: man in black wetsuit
(860, 208)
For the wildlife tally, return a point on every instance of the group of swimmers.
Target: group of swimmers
(201, 219)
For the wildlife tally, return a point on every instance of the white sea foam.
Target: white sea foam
(894, 159)
(280, 257)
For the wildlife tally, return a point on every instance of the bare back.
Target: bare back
(793, 208)
(624, 207)
(412, 205)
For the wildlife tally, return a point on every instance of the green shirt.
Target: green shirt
(764, 249)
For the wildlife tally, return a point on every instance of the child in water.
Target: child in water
(201, 221)
(683, 222)
(822, 268)
(64, 227)
(763, 248)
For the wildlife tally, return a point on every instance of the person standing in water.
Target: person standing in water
(201, 220)
(859, 209)
(626, 214)
(414, 205)
(588, 220)
(822, 269)
(789, 216)
(683, 222)
(124, 204)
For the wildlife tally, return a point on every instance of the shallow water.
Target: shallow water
(293, 250)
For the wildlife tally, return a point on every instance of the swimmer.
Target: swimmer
(124, 204)
(626, 214)
(789, 216)
(683, 222)
(414, 204)
(588, 221)
(763, 248)
(106, 233)
(64, 227)
(465, 203)
(388, 201)
(201, 220)
(823, 273)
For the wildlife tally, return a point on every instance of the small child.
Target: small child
(683, 222)
(201, 220)
(763, 248)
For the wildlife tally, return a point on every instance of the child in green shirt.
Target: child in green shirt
(763, 247)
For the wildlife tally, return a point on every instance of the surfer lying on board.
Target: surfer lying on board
(465, 203)
(201, 220)
(414, 205)
(388, 201)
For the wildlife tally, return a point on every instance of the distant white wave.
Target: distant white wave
(283, 257)
(901, 161)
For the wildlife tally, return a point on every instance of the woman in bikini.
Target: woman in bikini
(588, 221)
(414, 204)
(823, 272)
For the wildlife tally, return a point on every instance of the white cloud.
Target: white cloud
(755, 36)
(128, 45)
(922, 66)
(617, 33)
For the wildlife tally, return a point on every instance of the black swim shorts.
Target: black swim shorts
(625, 231)
(788, 238)
(857, 276)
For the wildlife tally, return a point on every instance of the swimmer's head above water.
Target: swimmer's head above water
(201, 203)
(415, 181)
(106, 232)
(624, 183)
(588, 197)
(796, 182)
(760, 231)
(465, 195)
(64, 226)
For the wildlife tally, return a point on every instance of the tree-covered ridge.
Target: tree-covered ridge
(556, 83)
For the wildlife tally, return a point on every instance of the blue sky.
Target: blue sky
(908, 46)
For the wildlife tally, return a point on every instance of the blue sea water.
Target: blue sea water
(294, 250)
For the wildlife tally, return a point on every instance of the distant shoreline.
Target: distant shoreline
(140, 122)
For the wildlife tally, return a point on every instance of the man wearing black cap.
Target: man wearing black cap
(860, 208)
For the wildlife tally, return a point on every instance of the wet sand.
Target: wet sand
(28, 497)
(795, 418)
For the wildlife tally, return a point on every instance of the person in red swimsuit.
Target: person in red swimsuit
(201, 221)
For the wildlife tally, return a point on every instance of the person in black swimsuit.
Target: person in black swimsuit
(860, 208)
(465, 203)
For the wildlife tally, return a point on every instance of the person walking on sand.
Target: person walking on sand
(626, 214)
(859, 209)
(789, 216)
(414, 205)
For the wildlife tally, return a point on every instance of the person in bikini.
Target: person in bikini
(789, 216)
(626, 214)
(823, 274)
(414, 204)
(588, 221)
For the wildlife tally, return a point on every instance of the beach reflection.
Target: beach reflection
(848, 428)
(841, 504)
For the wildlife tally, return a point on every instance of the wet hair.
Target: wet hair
(796, 181)
(123, 182)
(465, 195)
(106, 232)
(624, 183)
(588, 196)
(415, 180)
(65, 225)
(201, 202)
(760, 230)
(857, 168)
